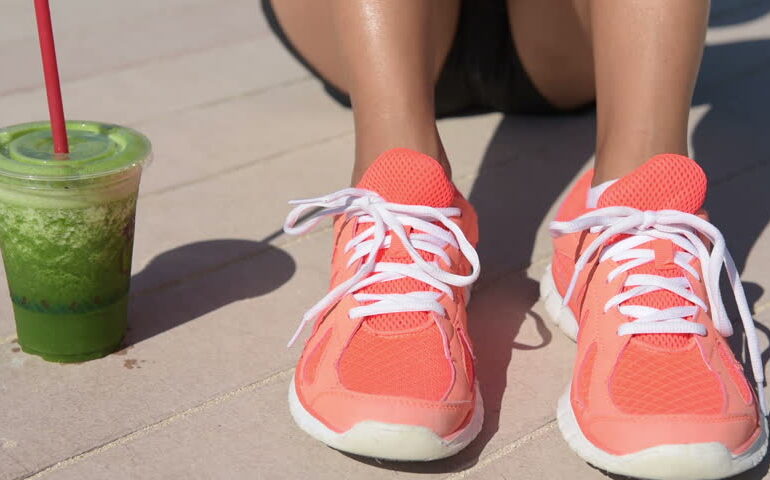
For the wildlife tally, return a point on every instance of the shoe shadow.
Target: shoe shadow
(189, 281)
(522, 174)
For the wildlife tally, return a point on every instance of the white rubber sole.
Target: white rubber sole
(387, 440)
(560, 314)
(695, 461)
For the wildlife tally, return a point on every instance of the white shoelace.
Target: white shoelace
(388, 219)
(684, 230)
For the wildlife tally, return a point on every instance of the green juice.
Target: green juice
(66, 235)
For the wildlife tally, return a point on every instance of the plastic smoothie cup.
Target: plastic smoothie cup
(66, 234)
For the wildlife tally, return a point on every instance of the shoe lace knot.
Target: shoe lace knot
(622, 230)
(430, 230)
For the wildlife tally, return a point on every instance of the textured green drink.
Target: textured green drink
(66, 234)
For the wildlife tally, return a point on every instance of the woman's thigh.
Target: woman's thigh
(553, 43)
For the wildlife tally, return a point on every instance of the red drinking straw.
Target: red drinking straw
(51, 73)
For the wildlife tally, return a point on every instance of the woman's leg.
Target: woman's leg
(387, 55)
(643, 56)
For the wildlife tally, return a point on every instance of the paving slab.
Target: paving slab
(168, 85)
(193, 145)
(119, 39)
(71, 16)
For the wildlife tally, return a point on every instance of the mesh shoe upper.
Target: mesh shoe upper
(415, 353)
(690, 379)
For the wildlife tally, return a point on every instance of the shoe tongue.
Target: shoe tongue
(404, 176)
(664, 182)
(412, 178)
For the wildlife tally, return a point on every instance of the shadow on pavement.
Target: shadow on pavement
(731, 12)
(190, 281)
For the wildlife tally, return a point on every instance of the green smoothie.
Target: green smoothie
(66, 234)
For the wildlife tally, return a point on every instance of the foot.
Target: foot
(656, 391)
(388, 369)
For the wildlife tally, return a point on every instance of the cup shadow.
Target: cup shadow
(192, 280)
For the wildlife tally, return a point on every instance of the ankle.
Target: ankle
(614, 163)
(370, 145)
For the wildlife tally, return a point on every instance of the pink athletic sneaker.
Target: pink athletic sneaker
(656, 392)
(388, 370)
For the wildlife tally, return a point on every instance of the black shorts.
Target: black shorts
(482, 71)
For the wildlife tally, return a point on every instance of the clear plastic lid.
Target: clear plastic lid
(96, 150)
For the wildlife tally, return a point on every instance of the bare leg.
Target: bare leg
(387, 54)
(553, 42)
(646, 55)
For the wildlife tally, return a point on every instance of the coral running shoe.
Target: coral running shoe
(656, 391)
(388, 371)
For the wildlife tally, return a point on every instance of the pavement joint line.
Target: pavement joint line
(127, 66)
(67, 29)
(138, 63)
(246, 165)
(271, 156)
(276, 377)
(255, 92)
(504, 451)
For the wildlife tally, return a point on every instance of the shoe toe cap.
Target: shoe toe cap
(340, 410)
